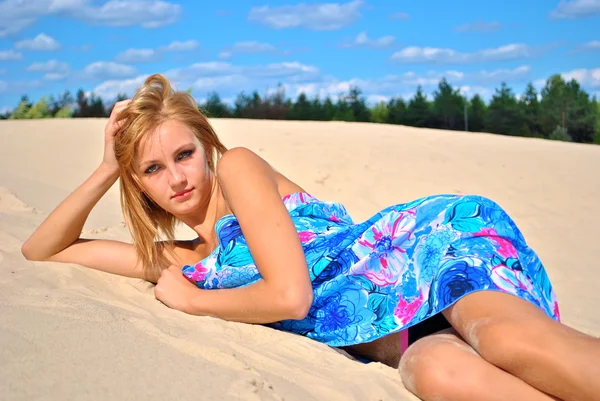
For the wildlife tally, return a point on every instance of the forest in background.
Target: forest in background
(562, 110)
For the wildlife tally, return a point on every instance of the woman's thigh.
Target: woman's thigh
(443, 366)
(518, 337)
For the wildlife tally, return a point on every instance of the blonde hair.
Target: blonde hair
(154, 103)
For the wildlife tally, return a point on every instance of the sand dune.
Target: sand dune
(72, 333)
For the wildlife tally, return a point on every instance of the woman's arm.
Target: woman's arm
(57, 238)
(63, 226)
(285, 292)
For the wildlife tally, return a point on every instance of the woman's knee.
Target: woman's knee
(509, 343)
(432, 367)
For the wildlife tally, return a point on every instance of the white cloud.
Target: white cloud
(220, 76)
(292, 71)
(405, 85)
(192, 72)
(585, 77)
(107, 70)
(255, 47)
(392, 85)
(49, 66)
(318, 16)
(16, 15)
(471, 91)
(55, 76)
(252, 47)
(41, 42)
(539, 84)
(10, 55)
(572, 9)
(226, 81)
(136, 56)
(374, 99)
(178, 46)
(229, 79)
(55, 70)
(146, 13)
(5, 109)
(480, 26)
(247, 47)
(432, 55)
(110, 89)
(331, 88)
(400, 16)
(362, 40)
(588, 47)
(496, 76)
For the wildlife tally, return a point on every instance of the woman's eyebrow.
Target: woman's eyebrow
(179, 149)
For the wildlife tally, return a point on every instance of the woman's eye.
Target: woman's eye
(185, 154)
(151, 169)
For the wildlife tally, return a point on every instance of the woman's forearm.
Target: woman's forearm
(255, 303)
(63, 226)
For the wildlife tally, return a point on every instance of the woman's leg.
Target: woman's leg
(518, 337)
(443, 367)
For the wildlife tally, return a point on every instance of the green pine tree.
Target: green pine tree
(396, 111)
(448, 107)
(418, 112)
(504, 115)
(530, 107)
(22, 110)
(379, 113)
(477, 114)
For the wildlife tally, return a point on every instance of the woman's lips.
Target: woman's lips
(182, 194)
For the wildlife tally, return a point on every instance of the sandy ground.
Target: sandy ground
(67, 332)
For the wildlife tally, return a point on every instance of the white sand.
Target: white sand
(67, 332)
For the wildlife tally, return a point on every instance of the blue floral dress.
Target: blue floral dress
(403, 265)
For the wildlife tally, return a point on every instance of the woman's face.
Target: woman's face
(173, 169)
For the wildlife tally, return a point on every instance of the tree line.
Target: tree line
(561, 111)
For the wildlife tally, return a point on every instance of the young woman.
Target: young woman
(445, 287)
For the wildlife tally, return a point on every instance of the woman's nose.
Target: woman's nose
(176, 176)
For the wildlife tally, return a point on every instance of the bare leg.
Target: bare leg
(443, 367)
(518, 337)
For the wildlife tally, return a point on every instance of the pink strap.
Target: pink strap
(403, 341)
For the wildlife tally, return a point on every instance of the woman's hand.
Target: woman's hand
(110, 131)
(175, 290)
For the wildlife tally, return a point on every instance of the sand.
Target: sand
(67, 332)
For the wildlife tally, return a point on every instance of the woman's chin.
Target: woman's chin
(183, 208)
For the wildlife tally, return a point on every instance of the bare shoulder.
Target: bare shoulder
(239, 162)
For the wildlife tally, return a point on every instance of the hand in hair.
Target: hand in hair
(110, 130)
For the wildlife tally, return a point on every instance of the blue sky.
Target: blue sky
(387, 48)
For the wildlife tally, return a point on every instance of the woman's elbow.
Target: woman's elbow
(29, 252)
(26, 251)
(297, 305)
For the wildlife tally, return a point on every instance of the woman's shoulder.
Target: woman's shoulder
(241, 157)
